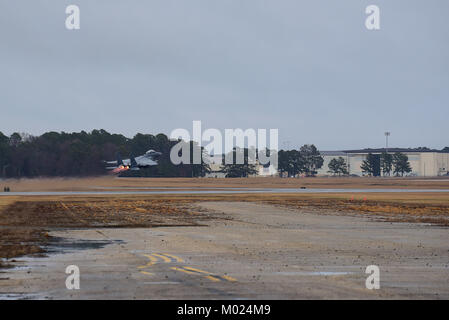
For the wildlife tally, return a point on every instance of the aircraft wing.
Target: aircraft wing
(145, 162)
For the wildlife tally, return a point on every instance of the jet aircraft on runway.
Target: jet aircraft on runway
(145, 160)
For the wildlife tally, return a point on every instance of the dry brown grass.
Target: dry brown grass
(87, 184)
(381, 210)
(101, 213)
(24, 221)
(18, 241)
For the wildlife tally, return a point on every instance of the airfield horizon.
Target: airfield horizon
(106, 182)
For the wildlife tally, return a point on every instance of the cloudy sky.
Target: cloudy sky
(309, 68)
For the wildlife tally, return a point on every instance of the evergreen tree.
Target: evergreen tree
(311, 159)
(368, 165)
(239, 170)
(338, 166)
(386, 163)
(401, 164)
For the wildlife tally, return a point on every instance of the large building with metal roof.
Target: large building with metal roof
(424, 162)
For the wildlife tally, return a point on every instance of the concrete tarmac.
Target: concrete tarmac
(262, 252)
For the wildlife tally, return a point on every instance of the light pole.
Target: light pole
(387, 134)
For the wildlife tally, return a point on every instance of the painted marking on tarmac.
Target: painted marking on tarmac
(149, 264)
(208, 275)
(149, 256)
(170, 258)
(166, 259)
(212, 278)
(147, 273)
(152, 261)
(196, 270)
(178, 259)
(231, 279)
(228, 278)
(182, 270)
(155, 257)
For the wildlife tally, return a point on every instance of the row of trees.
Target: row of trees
(83, 153)
(397, 163)
(373, 165)
(307, 160)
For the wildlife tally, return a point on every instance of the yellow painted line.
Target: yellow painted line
(167, 260)
(205, 272)
(212, 278)
(229, 278)
(152, 259)
(148, 273)
(182, 270)
(149, 264)
(178, 259)
(197, 270)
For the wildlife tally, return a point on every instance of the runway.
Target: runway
(255, 252)
(136, 191)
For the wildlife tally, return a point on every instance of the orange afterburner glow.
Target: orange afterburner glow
(120, 169)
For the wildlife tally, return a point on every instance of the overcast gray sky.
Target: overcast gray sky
(309, 68)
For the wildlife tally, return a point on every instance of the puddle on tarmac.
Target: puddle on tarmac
(67, 245)
(17, 296)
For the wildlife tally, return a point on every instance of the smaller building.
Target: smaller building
(262, 170)
(266, 170)
(215, 171)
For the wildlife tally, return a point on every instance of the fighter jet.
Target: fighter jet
(145, 160)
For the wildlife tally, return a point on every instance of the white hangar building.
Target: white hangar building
(424, 162)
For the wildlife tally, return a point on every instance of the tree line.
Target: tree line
(397, 163)
(307, 160)
(83, 154)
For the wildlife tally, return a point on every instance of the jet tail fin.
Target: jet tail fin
(119, 160)
(133, 162)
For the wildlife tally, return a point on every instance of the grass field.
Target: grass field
(25, 221)
(88, 184)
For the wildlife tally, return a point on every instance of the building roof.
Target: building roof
(393, 150)
(333, 153)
